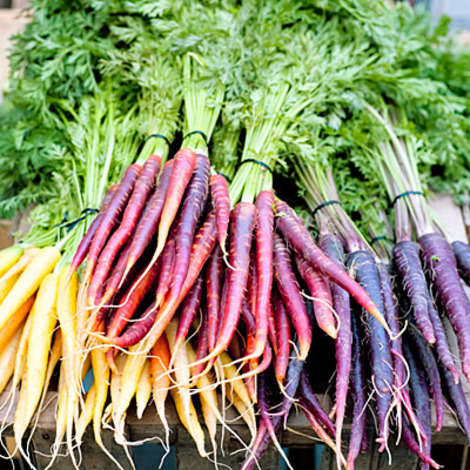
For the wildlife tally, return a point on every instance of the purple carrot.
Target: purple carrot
(281, 360)
(408, 266)
(214, 277)
(363, 265)
(84, 245)
(462, 256)
(410, 442)
(442, 269)
(202, 344)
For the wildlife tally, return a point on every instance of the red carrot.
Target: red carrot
(272, 328)
(300, 239)
(214, 277)
(242, 224)
(281, 361)
(84, 245)
(291, 296)
(142, 189)
(321, 296)
(166, 270)
(221, 201)
(148, 223)
(202, 345)
(111, 216)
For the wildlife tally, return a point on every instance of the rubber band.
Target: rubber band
(377, 239)
(225, 176)
(68, 226)
(404, 194)
(323, 205)
(202, 134)
(160, 136)
(253, 160)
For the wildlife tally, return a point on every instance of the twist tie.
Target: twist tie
(160, 136)
(323, 205)
(202, 134)
(253, 160)
(404, 194)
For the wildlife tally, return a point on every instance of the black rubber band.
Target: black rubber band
(253, 160)
(204, 136)
(323, 205)
(377, 239)
(68, 226)
(160, 136)
(225, 176)
(406, 193)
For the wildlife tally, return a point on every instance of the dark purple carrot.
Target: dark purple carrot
(362, 263)
(214, 276)
(264, 267)
(202, 344)
(167, 261)
(193, 205)
(313, 404)
(297, 235)
(320, 292)
(442, 346)
(429, 364)
(272, 328)
(221, 202)
(148, 223)
(250, 302)
(410, 442)
(142, 188)
(111, 216)
(462, 256)
(115, 277)
(333, 248)
(84, 245)
(359, 396)
(188, 312)
(281, 360)
(459, 400)
(290, 293)
(407, 263)
(131, 299)
(442, 270)
(242, 222)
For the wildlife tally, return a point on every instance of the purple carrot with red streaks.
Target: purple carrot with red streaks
(320, 292)
(291, 296)
(442, 270)
(272, 328)
(297, 235)
(214, 275)
(408, 265)
(142, 188)
(202, 344)
(281, 361)
(148, 223)
(221, 202)
(84, 245)
(462, 256)
(167, 261)
(111, 216)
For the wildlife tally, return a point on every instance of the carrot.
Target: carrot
(440, 262)
(15, 323)
(20, 265)
(242, 224)
(410, 442)
(194, 202)
(6, 285)
(214, 276)
(281, 361)
(144, 390)
(462, 256)
(188, 312)
(43, 320)
(237, 383)
(291, 296)
(142, 188)
(221, 201)
(85, 243)
(39, 267)
(9, 256)
(87, 414)
(7, 358)
(148, 223)
(272, 328)
(322, 300)
(300, 239)
(202, 345)
(408, 266)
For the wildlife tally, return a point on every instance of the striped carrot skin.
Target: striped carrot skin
(84, 245)
(134, 208)
(167, 262)
(281, 361)
(221, 202)
(194, 202)
(214, 276)
(291, 296)
(111, 216)
(148, 223)
(297, 235)
(242, 224)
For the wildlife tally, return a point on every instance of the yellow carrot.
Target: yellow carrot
(43, 320)
(7, 359)
(20, 361)
(6, 285)
(21, 264)
(8, 257)
(87, 414)
(144, 390)
(39, 267)
(15, 323)
(238, 385)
